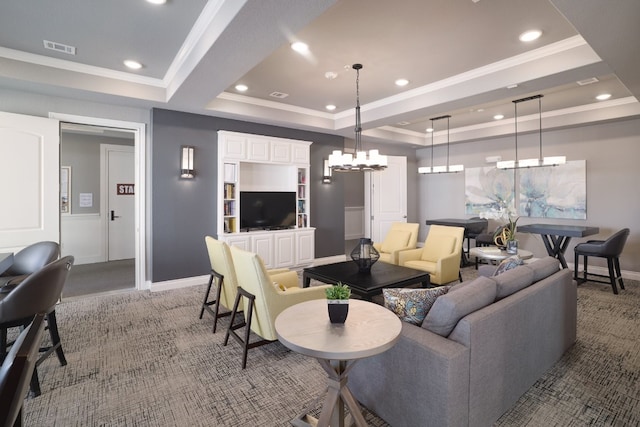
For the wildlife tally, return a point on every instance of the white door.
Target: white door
(385, 197)
(120, 209)
(30, 177)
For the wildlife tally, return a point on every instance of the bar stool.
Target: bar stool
(609, 249)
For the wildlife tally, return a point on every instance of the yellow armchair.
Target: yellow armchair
(400, 237)
(262, 300)
(440, 256)
(224, 273)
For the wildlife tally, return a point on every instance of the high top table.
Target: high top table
(6, 260)
(556, 237)
(370, 329)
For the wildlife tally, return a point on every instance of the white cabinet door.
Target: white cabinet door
(280, 152)
(240, 242)
(258, 149)
(300, 154)
(305, 249)
(262, 244)
(284, 244)
(234, 147)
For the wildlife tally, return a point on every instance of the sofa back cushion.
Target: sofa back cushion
(544, 267)
(512, 281)
(437, 247)
(456, 304)
(395, 240)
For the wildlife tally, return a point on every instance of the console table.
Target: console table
(369, 330)
(556, 237)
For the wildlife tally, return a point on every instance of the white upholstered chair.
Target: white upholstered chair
(400, 237)
(440, 255)
(262, 300)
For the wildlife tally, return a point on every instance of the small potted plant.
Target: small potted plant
(338, 302)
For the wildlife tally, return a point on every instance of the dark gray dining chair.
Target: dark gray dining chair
(28, 260)
(17, 370)
(609, 249)
(38, 293)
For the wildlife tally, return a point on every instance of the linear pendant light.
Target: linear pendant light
(440, 169)
(535, 162)
(345, 162)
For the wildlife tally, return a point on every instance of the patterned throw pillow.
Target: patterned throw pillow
(412, 305)
(508, 264)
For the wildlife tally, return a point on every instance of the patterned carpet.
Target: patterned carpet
(145, 359)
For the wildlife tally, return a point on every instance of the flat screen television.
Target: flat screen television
(267, 210)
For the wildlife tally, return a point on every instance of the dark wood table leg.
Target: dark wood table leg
(556, 247)
(306, 280)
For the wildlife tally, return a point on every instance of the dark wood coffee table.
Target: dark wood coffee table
(366, 285)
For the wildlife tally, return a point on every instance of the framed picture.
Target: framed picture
(65, 189)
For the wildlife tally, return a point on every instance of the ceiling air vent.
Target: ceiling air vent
(279, 95)
(588, 81)
(59, 47)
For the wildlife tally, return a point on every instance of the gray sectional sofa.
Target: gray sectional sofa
(481, 346)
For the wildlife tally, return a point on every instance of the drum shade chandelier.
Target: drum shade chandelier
(363, 161)
(536, 162)
(440, 169)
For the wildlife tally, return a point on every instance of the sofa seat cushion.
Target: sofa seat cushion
(428, 266)
(456, 304)
(437, 247)
(395, 241)
(412, 305)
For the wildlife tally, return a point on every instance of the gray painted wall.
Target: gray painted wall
(82, 153)
(184, 211)
(611, 151)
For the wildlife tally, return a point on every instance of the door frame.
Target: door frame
(140, 156)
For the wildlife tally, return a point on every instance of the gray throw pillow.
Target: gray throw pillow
(512, 281)
(544, 267)
(450, 308)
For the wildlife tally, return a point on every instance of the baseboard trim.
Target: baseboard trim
(178, 283)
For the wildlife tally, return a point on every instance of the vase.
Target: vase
(338, 310)
(512, 247)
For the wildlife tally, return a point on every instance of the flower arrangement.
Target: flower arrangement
(507, 231)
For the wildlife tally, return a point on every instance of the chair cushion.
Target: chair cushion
(412, 305)
(508, 264)
(448, 309)
(437, 247)
(395, 240)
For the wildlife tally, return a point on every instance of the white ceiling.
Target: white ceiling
(459, 56)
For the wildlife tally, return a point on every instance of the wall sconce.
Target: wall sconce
(186, 162)
(326, 173)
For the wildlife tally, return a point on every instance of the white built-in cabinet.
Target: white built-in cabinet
(250, 162)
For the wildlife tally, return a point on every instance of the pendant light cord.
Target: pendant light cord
(358, 128)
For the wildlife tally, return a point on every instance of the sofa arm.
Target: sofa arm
(421, 364)
(409, 255)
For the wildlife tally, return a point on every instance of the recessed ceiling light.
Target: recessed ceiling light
(403, 123)
(134, 65)
(330, 75)
(529, 36)
(300, 47)
(498, 116)
(330, 107)
(157, 1)
(429, 129)
(242, 88)
(513, 86)
(402, 82)
(603, 96)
